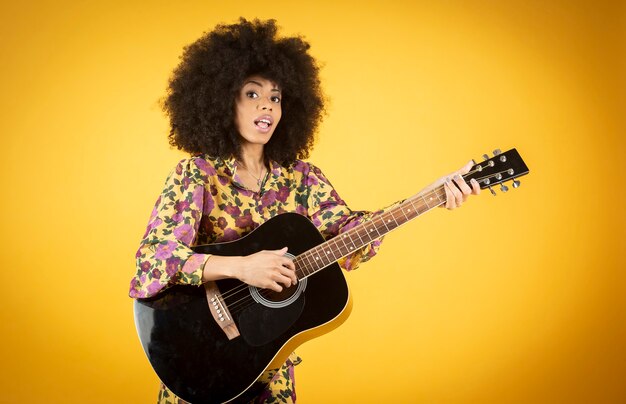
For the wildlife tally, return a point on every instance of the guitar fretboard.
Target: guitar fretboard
(346, 243)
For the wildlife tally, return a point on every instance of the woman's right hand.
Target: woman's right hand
(267, 269)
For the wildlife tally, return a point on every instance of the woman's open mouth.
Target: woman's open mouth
(264, 123)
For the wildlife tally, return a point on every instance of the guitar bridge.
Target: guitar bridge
(219, 310)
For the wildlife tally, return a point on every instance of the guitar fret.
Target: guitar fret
(310, 264)
(381, 229)
(342, 237)
(393, 216)
(404, 213)
(336, 247)
(385, 224)
(439, 197)
(373, 227)
(422, 208)
(301, 266)
(357, 233)
(325, 256)
(319, 257)
(306, 270)
(388, 221)
(417, 212)
(315, 259)
(425, 201)
(364, 235)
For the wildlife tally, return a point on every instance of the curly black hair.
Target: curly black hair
(200, 100)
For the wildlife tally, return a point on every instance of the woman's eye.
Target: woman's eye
(251, 94)
(275, 99)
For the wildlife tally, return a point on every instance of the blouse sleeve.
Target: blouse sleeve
(164, 256)
(332, 216)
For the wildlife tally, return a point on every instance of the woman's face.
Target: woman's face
(258, 110)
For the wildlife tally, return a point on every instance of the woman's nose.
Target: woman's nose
(265, 104)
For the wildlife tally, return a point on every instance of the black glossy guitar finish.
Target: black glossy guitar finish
(192, 355)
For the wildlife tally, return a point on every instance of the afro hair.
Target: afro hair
(200, 100)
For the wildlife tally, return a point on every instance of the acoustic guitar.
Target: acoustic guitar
(210, 344)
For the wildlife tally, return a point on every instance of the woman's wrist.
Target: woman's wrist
(221, 267)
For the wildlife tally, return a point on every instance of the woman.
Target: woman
(246, 105)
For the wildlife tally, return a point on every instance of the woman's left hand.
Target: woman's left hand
(457, 190)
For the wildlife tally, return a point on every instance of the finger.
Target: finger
(275, 287)
(450, 200)
(291, 273)
(280, 252)
(456, 193)
(475, 186)
(285, 280)
(286, 262)
(462, 185)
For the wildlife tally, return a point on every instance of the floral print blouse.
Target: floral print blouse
(204, 202)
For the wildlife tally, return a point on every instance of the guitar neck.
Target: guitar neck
(363, 234)
(496, 170)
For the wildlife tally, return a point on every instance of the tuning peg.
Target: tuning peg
(485, 157)
(492, 191)
(503, 187)
(497, 152)
(516, 184)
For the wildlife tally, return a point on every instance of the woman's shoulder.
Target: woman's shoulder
(302, 167)
(307, 169)
(198, 167)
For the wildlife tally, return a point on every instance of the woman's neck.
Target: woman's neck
(253, 158)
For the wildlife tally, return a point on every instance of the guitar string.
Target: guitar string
(244, 286)
(248, 300)
(236, 305)
(241, 304)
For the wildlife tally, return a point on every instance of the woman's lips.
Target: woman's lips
(264, 123)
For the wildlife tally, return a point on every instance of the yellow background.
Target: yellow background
(512, 299)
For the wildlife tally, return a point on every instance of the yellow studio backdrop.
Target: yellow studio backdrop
(511, 299)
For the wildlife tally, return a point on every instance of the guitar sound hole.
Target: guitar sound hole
(270, 298)
(285, 294)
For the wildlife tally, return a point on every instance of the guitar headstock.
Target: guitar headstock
(498, 169)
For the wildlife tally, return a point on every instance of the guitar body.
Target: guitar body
(192, 355)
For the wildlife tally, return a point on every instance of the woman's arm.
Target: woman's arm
(165, 258)
(267, 269)
(332, 216)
